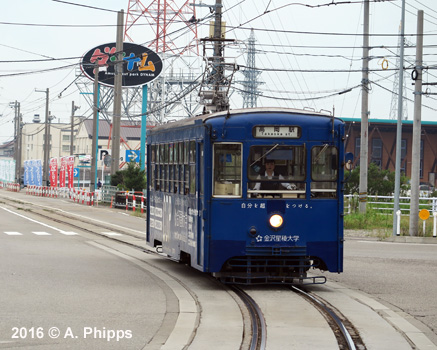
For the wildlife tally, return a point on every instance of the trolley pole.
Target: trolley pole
(415, 158)
(364, 145)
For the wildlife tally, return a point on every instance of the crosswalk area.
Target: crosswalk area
(65, 233)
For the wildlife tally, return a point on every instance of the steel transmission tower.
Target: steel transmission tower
(173, 28)
(250, 84)
(172, 95)
(395, 97)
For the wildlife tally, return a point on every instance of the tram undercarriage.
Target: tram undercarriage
(250, 270)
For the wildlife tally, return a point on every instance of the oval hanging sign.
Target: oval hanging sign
(140, 64)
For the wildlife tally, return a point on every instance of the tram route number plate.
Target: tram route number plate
(290, 132)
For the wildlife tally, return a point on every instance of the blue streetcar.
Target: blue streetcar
(251, 196)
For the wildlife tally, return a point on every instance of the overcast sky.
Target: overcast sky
(314, 52)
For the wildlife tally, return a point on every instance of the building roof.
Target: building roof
(129, 130)
(388, 121)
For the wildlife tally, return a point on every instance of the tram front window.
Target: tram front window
(276, 171)
(227, 170)
(324, 171)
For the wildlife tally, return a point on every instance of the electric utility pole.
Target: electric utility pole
(116, 118)
(74, 108)
(415, 157)
(45, 165)
(95, 141)
(17, 139)
(364, 145)
(396, 205)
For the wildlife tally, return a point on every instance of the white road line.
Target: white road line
(38, 233)
(11, 233)
(38, 222)
(112, 233)
(67, 233)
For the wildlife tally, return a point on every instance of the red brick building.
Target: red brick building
(382, 145)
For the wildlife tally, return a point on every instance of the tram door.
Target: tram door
(200, 203)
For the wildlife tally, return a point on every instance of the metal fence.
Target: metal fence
(385, 204)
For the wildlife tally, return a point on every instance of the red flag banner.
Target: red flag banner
(54, 172)
(70, 171)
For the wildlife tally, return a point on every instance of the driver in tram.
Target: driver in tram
(271, 175)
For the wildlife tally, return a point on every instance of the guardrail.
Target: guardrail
(386, 204)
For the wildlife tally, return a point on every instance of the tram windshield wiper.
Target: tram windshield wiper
(265, 154)
(320, 153)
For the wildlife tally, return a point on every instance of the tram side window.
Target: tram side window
(181, 168)
(227, 169)
(153, 166)
(192, 167)
(186, 168)
(324, 171)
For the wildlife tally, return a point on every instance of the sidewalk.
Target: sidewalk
(381, 235)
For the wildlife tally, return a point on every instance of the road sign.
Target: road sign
(424, 214)
(132, 155)
(76, 172)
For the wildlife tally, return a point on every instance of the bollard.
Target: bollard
(434, 231)
(142, 204)
(112, 199)
(134, 203)
(398, 223)
(127, 201)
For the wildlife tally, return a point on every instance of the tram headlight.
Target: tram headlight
(276, 221)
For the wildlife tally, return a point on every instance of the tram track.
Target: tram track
(259, 328)
(345, 333)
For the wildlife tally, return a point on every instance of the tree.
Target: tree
(379, 182)
(131, 178)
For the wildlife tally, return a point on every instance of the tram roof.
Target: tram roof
(234, 112)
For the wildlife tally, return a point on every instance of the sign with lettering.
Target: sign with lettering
(140, 64)
(276, 132)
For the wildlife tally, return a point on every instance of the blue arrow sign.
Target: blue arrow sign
(75, 172)
(132, 155)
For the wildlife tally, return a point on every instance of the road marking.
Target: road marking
(11, 233)
(41, 233)
(112, 234)
(38, 222)
(67, 233)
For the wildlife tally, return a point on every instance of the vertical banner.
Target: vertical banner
(26, 176)
(54, 172)
(38, 172)
(70, 171)
(32, 175)
(62, 171)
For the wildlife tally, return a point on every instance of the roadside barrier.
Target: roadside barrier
(13, 187)
(128, 200)
(80, 196)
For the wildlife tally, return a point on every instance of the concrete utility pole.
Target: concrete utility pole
(415, 157)
(364, 145)
(116, 118)
(74, 108)
(95, 140)
(17, 139)
(45, 165)
(396, 205)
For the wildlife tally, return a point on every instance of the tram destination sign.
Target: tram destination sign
(276, 132)
(140, 64)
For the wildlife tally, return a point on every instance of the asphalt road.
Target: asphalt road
(401, 275)
(60, 290)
